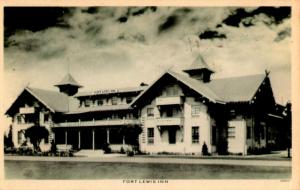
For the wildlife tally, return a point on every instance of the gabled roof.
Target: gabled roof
(198, 64)
(57, 102)
(194, 84)
(68, 80)
(54, 101)
(236, 89)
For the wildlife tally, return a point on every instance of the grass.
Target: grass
(107, 170)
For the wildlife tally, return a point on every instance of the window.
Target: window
(171, 91)
(231, 132)
(169, 112)
(150, 135)
(195, 135)
(87, 103)
(172, 136)
(46, 117)
(248, 132)
(19, 119)
(196, 110)
(99, 102)
(114, 100)
(150, 112)
(128, 100)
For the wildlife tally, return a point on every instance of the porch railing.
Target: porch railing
(98, 123)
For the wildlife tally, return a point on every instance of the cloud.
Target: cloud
(102, 52)
(248, 17)
(212, 34)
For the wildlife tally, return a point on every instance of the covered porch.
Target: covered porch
(94, 138)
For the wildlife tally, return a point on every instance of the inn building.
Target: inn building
(177, 113)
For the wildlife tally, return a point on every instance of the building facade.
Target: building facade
(177, 113)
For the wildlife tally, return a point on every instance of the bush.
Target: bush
(106, 148)
(205, 150)
(122, 151)
(130, 153)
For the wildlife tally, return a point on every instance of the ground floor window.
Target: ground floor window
(195, 135)
(150, 135)
(231, 132)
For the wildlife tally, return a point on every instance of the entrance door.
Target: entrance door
(100, 138)
(172, 136)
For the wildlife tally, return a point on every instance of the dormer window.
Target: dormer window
(87, 103)
(114, 100)
(99, 102)
(128, 100)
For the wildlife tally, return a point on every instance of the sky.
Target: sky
(115, 47)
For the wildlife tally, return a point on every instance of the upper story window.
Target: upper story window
(99, 102)
(114, 100)
(46, 117)
(87, 103)
(196, 110)
(128, 100)
(150, 112)
(19, 119)
(172, 91)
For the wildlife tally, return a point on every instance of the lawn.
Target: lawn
(107, 170)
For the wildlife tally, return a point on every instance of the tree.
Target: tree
(36, 134)
(8, 139)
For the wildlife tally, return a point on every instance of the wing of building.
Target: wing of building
(177, 113)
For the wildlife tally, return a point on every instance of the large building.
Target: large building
(177, 113)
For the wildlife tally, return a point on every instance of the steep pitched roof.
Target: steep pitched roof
(68, 80)
(236, 89)
(57, 102)
(194, 84)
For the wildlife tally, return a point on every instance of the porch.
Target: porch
(94, 138)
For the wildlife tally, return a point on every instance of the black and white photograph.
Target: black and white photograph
(147, 94)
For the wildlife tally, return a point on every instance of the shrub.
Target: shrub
(122, 151)
(106, 148)
(204, 150)
(130, 153)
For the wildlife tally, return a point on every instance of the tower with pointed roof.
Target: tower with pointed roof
(68, 85)
(199, 70)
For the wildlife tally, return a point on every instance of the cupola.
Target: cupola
(68, 85)
(199, 70)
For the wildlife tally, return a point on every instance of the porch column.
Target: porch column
(93, 130)
(107, 136)
(66, 137)
(123, 140)
(79, 140)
